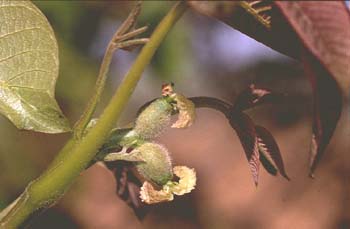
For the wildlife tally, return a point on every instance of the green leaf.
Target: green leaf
(28, 69)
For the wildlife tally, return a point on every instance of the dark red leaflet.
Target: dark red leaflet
(324, 29)
(253, 96)
(268, 164)
(245, 130)
(128, 186)
(315, 32)
(327, 108)
(268, 143)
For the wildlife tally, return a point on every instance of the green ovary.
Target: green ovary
(157, 166)
(154, 119)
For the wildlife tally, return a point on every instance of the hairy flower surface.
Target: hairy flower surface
(157, 166)
(153, 119)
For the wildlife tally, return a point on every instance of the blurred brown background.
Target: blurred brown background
(202, 57)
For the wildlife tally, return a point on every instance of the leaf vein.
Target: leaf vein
(12, 56)
(22, 73)
(19, 31)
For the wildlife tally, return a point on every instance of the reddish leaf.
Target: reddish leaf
(260, 20)
(268, 164)
(244, 127)
(253, 96)
(327, 108)
(128, 186)
(316, 32)
(270, 149)
(325, 30)
(322, 27)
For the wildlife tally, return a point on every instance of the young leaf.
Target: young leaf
(128, 186)
(315, 32)
(28, 69)
(269, 148)
(327, 108)
(325, 31)
(268, 164)
(244, 127)
(253, 96)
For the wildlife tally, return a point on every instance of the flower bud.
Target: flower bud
(153, 119)
(157, 166)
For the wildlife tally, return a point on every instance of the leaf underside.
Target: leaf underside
(324, 29)
(28, 69)
(327, 108)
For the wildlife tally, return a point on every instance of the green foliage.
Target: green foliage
(29, 69)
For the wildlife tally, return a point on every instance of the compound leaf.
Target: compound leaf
(314, 32)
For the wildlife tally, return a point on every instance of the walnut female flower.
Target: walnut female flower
(153, 164)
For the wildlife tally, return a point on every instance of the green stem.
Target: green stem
(99, 86)
(119, 40)
(50, 186)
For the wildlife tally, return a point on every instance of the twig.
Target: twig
(118, 41)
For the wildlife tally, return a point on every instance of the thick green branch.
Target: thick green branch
(49, 187)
